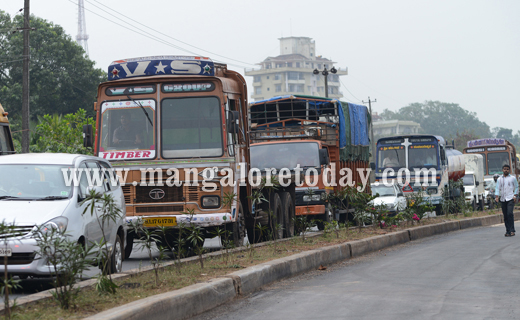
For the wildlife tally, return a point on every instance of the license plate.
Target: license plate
(6, 252)
(160, 222)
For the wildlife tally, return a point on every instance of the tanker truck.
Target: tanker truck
(420, 163)
(6, 140)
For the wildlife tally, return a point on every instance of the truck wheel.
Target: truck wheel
(474, 205)
(276, 218)
(238, 228)
(129, 244)
(438, 210)
(481, 205)
(326, 217)
(288, 214)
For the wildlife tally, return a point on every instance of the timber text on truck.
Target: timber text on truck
(322, 136)
(172, 122)
(6, 140)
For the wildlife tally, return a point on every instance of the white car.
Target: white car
(34, 193)
(390, 195)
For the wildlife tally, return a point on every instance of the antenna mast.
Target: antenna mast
(82, 36)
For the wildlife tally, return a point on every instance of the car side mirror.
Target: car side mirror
(232, 122)
(97, 189)
(87, 136)
(372, 166)
(477, 183)
(324, 157)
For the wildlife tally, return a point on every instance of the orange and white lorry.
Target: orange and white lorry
(323, 143)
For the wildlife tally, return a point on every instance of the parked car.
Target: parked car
(35, 193)
(390, 195)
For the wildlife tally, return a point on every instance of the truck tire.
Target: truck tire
(474, 205)
(276, 218)
(438, 210)
(288, 214)
(326, 217)
(481, 204)
(238, 228)
(129, 244)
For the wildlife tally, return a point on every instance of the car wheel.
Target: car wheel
(116, 259)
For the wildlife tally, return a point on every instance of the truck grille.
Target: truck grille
(143, 194)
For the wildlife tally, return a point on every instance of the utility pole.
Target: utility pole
(82, 36)
(372, 142)
(25, 80)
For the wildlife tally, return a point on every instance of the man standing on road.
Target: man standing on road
(507, 191)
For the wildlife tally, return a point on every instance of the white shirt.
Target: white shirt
(506, 188)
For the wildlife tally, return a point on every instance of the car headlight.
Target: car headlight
(210, 202)
(58, 224)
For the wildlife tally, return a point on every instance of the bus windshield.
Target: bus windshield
(124, 126)
(495, 161)
(391, 157)
(191, 127)
(422, 156)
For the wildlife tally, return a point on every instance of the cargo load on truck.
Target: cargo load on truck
(335, 128)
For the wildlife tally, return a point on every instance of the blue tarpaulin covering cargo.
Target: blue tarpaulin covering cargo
(354, 119)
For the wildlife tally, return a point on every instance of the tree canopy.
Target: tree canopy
(62, 78)
(441, 118)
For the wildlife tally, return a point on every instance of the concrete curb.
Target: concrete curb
(201, 297)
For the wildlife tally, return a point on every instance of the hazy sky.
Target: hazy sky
(399, 52)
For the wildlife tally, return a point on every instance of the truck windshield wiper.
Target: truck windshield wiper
(7, 197)
(53, 198)
(140, 105)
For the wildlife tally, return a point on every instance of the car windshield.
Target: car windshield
(468, 180)
(33, 181)
(383, 191)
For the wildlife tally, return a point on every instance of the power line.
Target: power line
(11, 61)
(164, 34)
(344, 86)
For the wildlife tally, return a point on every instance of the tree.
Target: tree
(502, 133)
(440, 118)
(62, 79)
(461, 139)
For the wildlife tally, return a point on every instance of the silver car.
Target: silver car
(39, 189)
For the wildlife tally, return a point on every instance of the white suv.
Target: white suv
(34, 192)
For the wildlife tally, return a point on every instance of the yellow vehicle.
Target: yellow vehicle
(6, 140)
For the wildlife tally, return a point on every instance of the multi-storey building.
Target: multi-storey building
(292, 72)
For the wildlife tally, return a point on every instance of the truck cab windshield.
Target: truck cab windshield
(305, 154)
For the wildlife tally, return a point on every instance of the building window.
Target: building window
(277, 76)
(334, 77)
(279, 65)
(258, 90)
(297, 64)
(267, 89)
(268, 65)
(295, 76)
(267, 77)
(258, 79)
(289, 64)
(278, 87)
(296, 88)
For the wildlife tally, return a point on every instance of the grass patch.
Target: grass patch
(172, 277)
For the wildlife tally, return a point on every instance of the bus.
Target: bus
(6, 139)
(169, 123)
(496, 153)
(431, 164)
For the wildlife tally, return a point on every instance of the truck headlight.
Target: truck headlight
(467, 194)
(307, 198)
(316, 197)
(210, 202)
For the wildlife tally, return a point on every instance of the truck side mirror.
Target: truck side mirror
(232, 122)
(477, 183)
(87, 136)
(324, 157)
(372, 166)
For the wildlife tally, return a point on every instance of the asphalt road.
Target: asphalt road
(470, 274)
